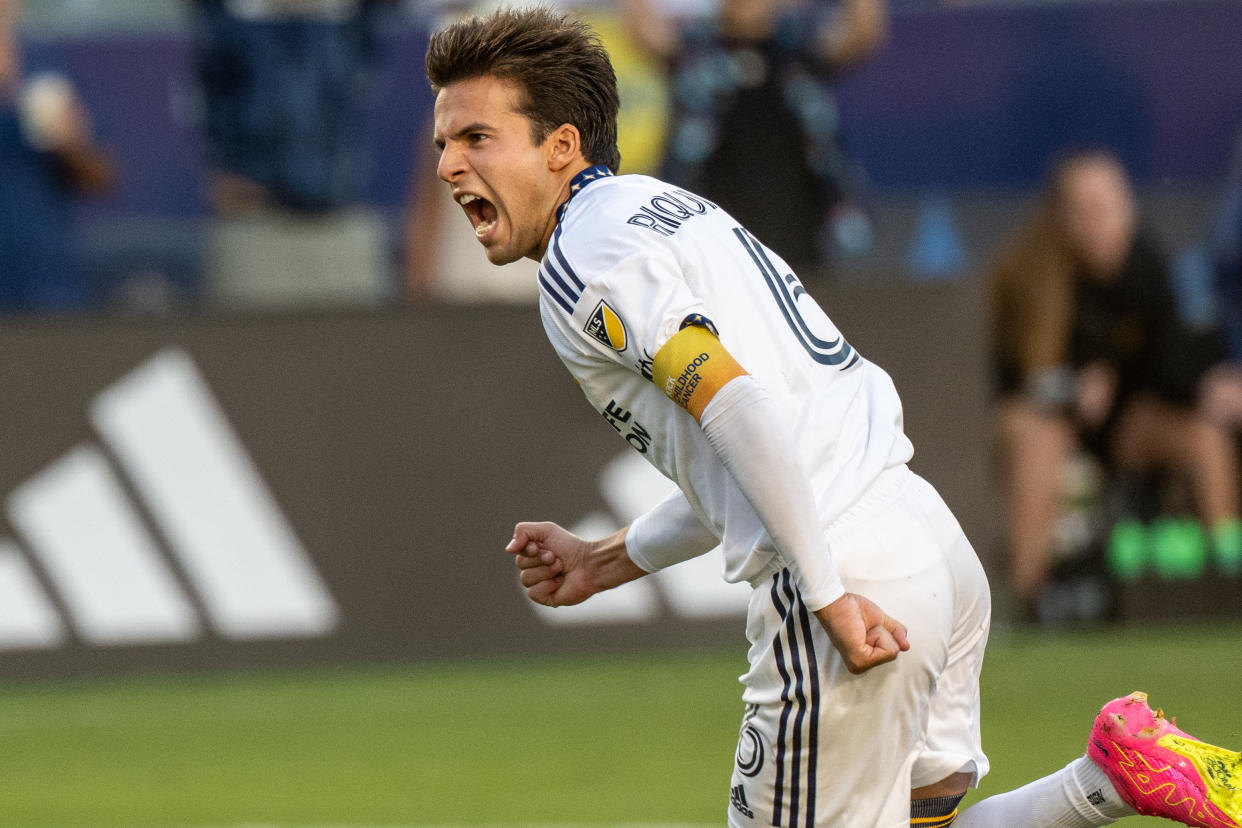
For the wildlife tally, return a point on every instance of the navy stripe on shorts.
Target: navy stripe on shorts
(798, 666)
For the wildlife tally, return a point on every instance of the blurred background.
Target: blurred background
(267, 415)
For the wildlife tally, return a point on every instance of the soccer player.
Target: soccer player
(700, 348)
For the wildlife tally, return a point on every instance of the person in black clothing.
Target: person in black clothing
(753, 80)
(1091, 350)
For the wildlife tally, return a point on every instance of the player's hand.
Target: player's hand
(552, 564)
(863, 634)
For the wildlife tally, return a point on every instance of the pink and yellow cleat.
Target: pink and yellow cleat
(1161, 771)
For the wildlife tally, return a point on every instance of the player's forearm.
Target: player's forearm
(745, 429)
(610, 565)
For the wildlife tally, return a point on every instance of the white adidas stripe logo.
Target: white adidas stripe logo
(204, 497)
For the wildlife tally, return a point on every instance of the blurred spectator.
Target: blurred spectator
(285, 84)
(47, 158)
(755, 126)
(1093, 352)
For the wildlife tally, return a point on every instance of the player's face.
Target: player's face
(499, 175)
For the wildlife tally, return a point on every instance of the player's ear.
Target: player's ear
(563, 147)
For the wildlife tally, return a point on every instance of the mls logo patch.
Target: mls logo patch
(605, 324)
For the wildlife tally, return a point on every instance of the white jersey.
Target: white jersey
(631, 262)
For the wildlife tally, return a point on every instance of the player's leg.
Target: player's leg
(819, 745)
(1136, 762)
(776, 755)
(1077, 796)
(951, 759)
(822, 746)
(935, 806)
(1132, 752)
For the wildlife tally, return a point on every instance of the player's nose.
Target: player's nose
(452, 164)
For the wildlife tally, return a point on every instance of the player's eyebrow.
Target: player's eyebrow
(477, 126)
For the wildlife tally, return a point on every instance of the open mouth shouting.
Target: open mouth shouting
(480, 211)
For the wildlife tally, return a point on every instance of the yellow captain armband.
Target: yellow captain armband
(692, 366)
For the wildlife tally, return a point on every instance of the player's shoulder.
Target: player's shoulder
(613, 222)
(591, 238)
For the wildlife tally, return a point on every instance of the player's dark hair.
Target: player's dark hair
(556, 60)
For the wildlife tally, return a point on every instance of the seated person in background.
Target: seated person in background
(1092, 352)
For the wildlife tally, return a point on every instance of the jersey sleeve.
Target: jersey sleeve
(668, 534)
(746, 431)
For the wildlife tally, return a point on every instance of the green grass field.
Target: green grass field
(638, 739)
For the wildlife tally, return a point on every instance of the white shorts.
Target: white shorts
(822, 747)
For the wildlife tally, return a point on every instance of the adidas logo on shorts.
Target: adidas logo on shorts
(737, 797)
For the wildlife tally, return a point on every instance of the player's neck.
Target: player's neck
(575, 176)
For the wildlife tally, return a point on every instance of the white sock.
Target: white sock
(1077, 796)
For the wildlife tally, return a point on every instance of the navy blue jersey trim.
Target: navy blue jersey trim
(700, 321)
(564, 263)
(569, 293)
(582, 179)
(555, 268)
(560, 300)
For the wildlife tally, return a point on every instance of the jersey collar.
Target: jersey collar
(582, 179)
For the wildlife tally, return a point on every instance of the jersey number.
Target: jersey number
(786, 292)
